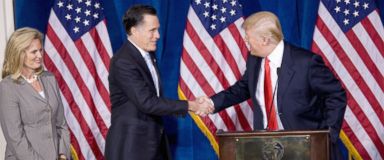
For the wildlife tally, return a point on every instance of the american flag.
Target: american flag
(349, 35)
(213, 58)
(78, 50)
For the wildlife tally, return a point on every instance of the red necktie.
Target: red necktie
(269, 107)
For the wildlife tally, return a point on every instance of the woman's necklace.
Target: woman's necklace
(30, 80)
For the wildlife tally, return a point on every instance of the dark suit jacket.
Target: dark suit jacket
(34, 127)
(136, 130)
(308, 95)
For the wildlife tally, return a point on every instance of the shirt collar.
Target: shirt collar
(276, 55)
(142, 52)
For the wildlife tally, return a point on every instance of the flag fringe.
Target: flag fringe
(351, 149)
(201, 124)
(73, 153)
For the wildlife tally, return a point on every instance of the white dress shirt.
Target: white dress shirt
(275, 59)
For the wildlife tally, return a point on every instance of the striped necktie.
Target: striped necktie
(152, 69)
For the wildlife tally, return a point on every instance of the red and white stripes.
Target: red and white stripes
(210, 65)
(81, 68)
(357, 57)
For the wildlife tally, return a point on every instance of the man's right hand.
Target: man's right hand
(201, 106)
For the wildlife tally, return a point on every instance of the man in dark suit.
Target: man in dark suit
(136, 130)
(290, 87)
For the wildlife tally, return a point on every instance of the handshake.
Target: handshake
(201, 106)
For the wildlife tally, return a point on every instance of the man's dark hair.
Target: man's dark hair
(134, 16)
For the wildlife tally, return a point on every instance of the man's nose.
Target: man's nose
(157, 34)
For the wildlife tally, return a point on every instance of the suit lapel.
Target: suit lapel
(154, 62)
(253, 71)
(286, 74)
(136, 55)
(140, 60)
(44, 83)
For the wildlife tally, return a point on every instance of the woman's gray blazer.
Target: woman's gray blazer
(34, 127)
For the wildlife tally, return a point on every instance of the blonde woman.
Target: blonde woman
(31, 111)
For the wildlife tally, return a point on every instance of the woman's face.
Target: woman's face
(33, 55)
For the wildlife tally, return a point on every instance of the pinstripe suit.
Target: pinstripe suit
(34, 127)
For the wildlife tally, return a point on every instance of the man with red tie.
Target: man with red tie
(290, 87)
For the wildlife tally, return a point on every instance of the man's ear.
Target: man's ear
(265, 40)
(133, 30)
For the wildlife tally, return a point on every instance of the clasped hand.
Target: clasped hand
(201, 106)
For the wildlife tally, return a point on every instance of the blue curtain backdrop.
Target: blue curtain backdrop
(297, 18)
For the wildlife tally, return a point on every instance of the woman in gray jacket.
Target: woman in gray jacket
(31, 110)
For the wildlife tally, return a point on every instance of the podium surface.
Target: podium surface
(284, 145)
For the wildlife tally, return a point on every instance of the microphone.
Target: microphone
(273, 96)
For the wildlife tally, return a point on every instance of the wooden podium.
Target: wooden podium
(277, 145)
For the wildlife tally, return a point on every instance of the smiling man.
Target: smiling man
(291, 88)
(136, 130)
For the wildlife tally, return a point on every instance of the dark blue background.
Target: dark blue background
(297, 18)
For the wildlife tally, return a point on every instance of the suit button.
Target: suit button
(280, 114)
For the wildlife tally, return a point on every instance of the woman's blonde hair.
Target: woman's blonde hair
(17, 44)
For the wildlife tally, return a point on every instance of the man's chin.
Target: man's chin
(151, 49)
